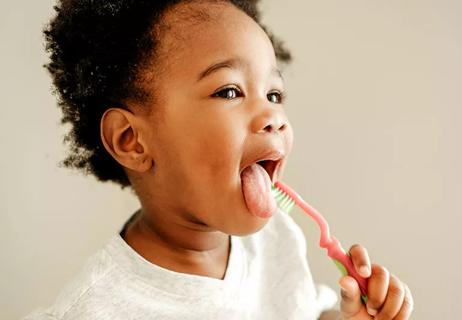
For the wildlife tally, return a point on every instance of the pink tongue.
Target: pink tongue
(256, 186)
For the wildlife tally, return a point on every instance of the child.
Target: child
(182, 101)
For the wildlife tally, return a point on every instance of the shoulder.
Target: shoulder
(95, 272)
(281, 239)
(40, 314)
(277, 256)
(281, 232)
(286, 225)
(325, 297)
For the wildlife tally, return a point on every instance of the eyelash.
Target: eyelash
(282, 95)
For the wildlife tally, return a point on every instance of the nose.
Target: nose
(269, 121)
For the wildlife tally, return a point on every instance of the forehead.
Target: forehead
(197, 33)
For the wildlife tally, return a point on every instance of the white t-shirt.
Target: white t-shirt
(267, 277)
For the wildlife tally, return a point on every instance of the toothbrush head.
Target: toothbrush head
(283, 200)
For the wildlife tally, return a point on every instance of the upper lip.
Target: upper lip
(270, 159)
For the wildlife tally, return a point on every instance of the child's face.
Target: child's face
(199, 143)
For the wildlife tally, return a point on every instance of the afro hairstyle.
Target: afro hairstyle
(97, 49)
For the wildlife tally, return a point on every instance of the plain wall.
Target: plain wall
(375, 99)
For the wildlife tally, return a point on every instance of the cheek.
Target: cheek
(219, 148)
(289, 138)
(201, 148)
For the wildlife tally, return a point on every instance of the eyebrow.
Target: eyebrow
(233, 63)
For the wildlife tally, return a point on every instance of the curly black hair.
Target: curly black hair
(97, 49)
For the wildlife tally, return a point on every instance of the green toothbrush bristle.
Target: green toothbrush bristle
(284, 202)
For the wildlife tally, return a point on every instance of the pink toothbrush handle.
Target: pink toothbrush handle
(333, 246)
(335, 251)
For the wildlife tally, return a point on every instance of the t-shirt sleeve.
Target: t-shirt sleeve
(326, 298)
(40, 314)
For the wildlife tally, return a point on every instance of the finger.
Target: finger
(351, 297)
(408, 305)
(361, 260)
(377, 288)
(393, 301)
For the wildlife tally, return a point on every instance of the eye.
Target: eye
(276, 97)
(228, 93)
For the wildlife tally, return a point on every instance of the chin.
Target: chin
(253, 225)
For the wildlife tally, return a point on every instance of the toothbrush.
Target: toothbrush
(286, 198)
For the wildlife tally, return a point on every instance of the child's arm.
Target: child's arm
(388, 297)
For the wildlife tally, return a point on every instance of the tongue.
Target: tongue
(256, 186)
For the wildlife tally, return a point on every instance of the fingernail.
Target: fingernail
(341, 286)
(364, 271)
(371, 311)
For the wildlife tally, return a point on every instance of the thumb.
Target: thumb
(351, 305)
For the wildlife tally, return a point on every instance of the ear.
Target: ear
(121, 138)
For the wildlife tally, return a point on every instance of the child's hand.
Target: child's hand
(388, 297)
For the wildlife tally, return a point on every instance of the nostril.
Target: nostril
(269, 123)
(274, 127)
(268, 128)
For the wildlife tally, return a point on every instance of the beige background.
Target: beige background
(376, 105)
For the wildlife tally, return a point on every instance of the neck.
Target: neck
(179, 244)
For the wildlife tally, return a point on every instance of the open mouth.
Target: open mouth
(270, 160)
(270, 167)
